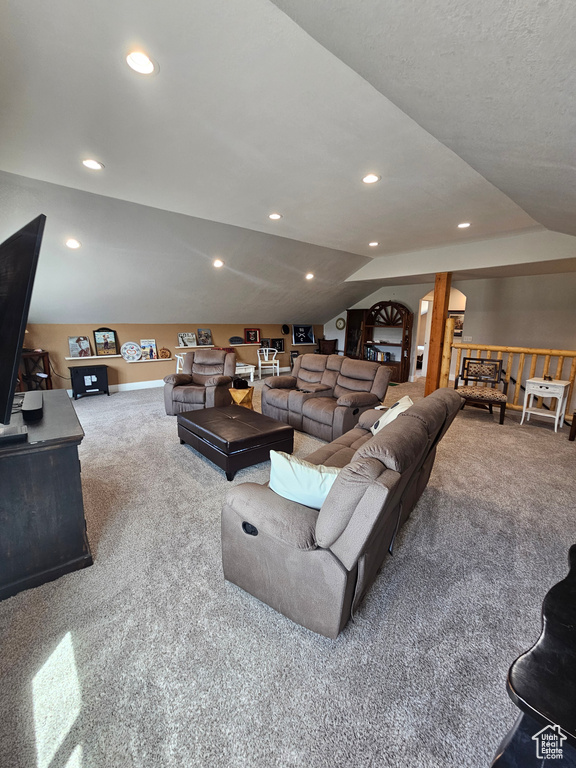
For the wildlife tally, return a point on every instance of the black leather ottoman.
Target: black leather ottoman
(233, 437)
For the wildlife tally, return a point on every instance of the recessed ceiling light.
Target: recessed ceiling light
(94, 165)
(73, 243)
(275, 216)
(140, 62)
(218, 263)
(464, 225)
(373, 245)
(309, 276)
(371, 178)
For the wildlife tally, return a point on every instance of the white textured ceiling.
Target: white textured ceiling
(250, 114)
(493, 80)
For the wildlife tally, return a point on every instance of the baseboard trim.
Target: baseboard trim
(136, 385)
(148, 384)
(131, 385)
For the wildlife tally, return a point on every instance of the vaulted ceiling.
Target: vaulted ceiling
(466, 110)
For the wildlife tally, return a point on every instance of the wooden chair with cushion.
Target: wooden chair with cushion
(482, 379)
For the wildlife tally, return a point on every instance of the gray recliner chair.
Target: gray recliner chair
(204, 382)
(326, 395)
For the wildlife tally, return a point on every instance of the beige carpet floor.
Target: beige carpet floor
(149, 659)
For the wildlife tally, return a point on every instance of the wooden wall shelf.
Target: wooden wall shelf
(91, 357)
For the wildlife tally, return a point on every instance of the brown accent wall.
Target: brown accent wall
(54, 339)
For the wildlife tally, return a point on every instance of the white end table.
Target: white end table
(538, 387)
(245, 368)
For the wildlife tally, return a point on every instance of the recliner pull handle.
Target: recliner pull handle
(251, 530)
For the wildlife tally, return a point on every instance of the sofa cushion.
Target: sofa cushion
(388, 416)
(348, 490)
(397, 446)
(320, 409)
(431, 411)
(278, 398)
(332, 455)
(299, 480)
(189, 394)
(355, 376)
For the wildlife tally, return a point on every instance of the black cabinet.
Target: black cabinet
(42, 525)
(89, 380)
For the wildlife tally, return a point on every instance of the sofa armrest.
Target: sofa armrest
(178, 379)
(287, 521)
(369, 418)
(217, 381)
(358, 400)
(281, 382)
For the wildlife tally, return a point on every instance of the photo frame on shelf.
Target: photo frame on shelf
(277, 344)
(303, 334)
(265, 343)
(251, 335)
(106, 342)
(204, 337)
(149, 350)
(79, 346)
(459, 324)
(186, 339)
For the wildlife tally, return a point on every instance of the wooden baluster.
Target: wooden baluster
(571, 379)
(559, 367)
(519, 378)
(509, 367)
(458, 359)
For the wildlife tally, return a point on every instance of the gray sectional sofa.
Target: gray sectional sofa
(315, 566)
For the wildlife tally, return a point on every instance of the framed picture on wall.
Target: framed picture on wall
(459, 325)
(186, 339)
(149, 350)
(204, 337)
(106, 342)
(303, 334)
(79, 346)
(265, 342)
(277, 344)
(252, 335)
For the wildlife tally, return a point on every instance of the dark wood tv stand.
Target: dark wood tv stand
(42, 525)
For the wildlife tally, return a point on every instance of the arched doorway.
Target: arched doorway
(457, 303)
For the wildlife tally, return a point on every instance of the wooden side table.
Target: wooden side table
(243, 397)
(538, 387)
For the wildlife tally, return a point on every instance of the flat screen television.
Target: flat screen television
(18, 260)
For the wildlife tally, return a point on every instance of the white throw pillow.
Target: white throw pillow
(299, 480)
(395, 410)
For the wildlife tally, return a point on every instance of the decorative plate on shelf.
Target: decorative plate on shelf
(163, 353)
(131, 351)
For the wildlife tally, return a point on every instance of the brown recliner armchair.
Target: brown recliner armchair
(326, 394)
(204, 382)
